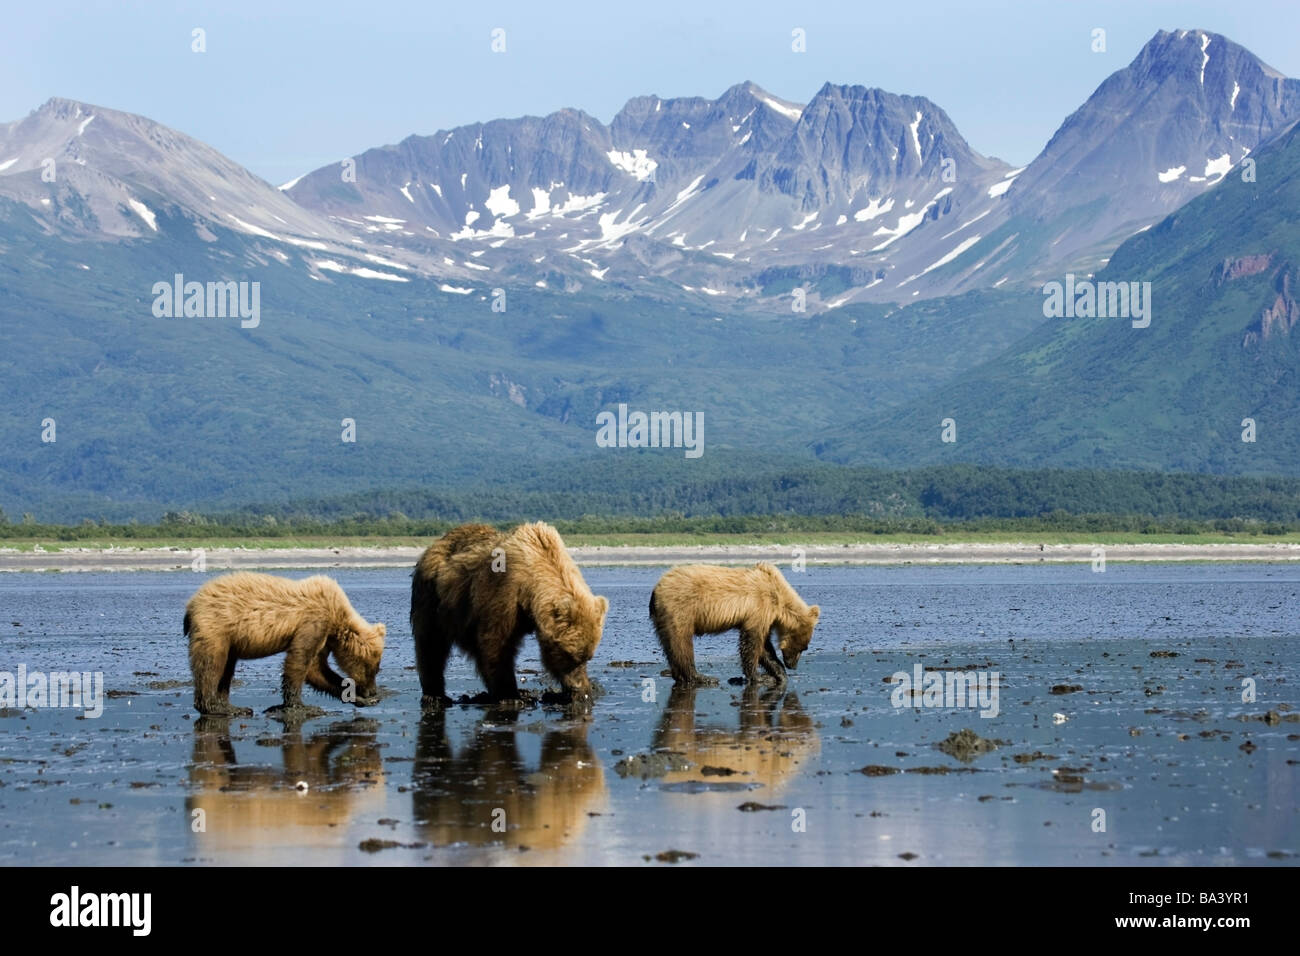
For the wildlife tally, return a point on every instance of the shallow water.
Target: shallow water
(1154, 743)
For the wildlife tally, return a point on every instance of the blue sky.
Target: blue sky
(285, 87)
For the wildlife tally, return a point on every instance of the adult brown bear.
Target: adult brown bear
(696, 599)
(246, 615)
(484, 590)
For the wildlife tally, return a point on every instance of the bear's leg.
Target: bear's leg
(771, 663)
(223, 687)
(209, 661)
(432, 648)
(322, 677)
(679, 647)
(496, 665)
(304, 648)
(751, 650)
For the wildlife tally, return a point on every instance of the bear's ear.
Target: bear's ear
(816, 611)
(381, 631)
(602, 604)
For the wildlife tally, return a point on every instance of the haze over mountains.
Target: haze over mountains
(653, 260)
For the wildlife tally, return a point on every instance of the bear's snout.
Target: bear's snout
(577, 683)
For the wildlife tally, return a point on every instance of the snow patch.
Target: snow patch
(1170, 174)
(635, 163)
(1218, 168)
(145, 213)
(7, 163)
(305, 243)
(968, 222)
(290, 184)
(500, 203)
(380, 261)
(874, 208)
(365, 273)
(997, 189)
(916, 141)
(84, 123)
(456, 289)
(407, 193)
(1205, 45)
(1236, 88)
(541, 203)
(906, 223)
(791, 112)
(576, 203)
(943, 261)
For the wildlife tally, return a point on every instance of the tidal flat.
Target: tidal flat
(1148, 715)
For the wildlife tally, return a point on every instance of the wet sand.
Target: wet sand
(1156, 742)
(228, 559)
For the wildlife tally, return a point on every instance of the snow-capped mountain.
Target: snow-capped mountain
(97, 171)
(705, 192)
(859, 195)
(1153, 136)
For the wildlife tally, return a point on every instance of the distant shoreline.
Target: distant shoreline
(229, 559)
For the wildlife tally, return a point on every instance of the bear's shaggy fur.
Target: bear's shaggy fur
(696, 599)
(483, 591)
(247, 615)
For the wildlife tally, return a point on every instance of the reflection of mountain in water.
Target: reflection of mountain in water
(454, 795)
(258, 807)
(775, 734)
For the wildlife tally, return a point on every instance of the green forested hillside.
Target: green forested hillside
(1099, 393)
(154, 414)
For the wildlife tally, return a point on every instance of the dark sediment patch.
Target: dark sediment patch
(675, 856)
(1030, 758)
(966, 745)
(647, 766)
(374, 845)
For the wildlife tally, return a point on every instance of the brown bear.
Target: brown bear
(696, 599)
(484, 590)
(247, 615)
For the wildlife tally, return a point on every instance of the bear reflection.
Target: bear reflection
(256, 805)
(774, 736)
(457, 797)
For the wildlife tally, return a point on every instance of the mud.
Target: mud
(966, 745)
(1205, 778)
